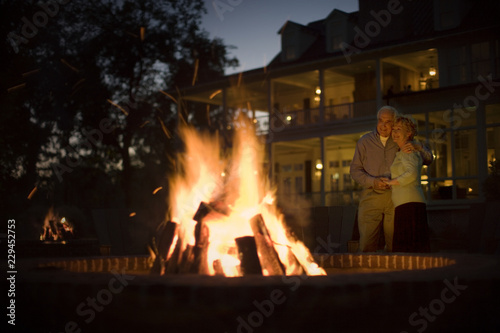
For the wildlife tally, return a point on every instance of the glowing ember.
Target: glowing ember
(223, 219)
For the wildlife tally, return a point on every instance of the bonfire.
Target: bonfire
(223, 217)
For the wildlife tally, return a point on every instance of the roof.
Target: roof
(416, 23)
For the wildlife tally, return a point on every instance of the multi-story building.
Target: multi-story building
(438, 60)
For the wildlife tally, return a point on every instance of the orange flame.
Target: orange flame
(236, 181)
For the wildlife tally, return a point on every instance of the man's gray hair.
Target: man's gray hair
(390, 109)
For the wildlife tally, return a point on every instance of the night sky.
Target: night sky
(252, 25)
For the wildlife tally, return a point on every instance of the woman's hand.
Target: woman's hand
(380, 183)
(390, 182)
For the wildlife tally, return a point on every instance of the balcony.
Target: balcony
(296, 119)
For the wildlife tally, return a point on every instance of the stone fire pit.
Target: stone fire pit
(361, 293)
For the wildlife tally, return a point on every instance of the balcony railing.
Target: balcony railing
(310, 117)
(314, 199)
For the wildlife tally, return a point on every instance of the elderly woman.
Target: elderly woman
(411, 232)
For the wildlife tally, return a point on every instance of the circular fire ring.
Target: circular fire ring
(398, 292)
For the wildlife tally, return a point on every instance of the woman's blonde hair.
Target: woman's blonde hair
(408, 123)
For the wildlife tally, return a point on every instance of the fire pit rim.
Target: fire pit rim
(463, 265)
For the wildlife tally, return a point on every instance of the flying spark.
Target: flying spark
(195, 75)
(31, 72)
(32, 193)
(71, 67)
(143, 30)
(168, 95)
(119, 107)
(215, 93)
(164, 128)
(19, 86)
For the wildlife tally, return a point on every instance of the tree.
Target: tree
(92, 62)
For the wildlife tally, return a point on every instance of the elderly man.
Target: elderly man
(371, 164)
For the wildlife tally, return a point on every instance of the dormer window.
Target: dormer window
(336, 41)
(337, 30)
(290, 52)
(448, 14)
(295, 40)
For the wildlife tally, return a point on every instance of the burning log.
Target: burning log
(294, 266)
(203, 210)
(166, 233)
(166, 237)
(247, 253)
(187, 260)
(200, 250)
(267, 253)
(218, 268)
(202, 233)
(172, 265)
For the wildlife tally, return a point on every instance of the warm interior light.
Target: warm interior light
(318, 90)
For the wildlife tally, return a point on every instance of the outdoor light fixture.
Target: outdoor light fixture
(432, 71)
(319, 165)
(317, 92)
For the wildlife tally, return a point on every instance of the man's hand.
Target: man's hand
(425, 152)
(380, 183)
(412, 146)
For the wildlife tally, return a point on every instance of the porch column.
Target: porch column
(224, 107)
(269, 139)
(321, 79)
(482, 141)
(322, 185)
(379, 82)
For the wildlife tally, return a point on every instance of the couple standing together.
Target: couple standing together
(387, 163)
